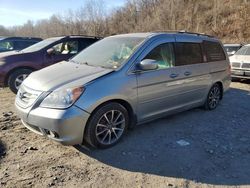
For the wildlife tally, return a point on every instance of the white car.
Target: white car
(240, 63)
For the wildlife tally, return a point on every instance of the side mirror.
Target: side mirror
(148, 64)
(50, 51)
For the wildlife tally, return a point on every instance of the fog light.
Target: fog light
(52, 134)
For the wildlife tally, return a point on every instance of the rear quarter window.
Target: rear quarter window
(213, 51)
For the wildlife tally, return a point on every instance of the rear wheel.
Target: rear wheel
(107, 125)
(16, 78)
(214, 97)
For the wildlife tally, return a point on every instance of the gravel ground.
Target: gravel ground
(213, 150)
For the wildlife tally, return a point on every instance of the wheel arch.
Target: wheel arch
(15, 69)
(125, 104)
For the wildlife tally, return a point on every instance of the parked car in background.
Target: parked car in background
(231, 49)
(16, 66)
(120, 81)
(240, 63)
(16, 43)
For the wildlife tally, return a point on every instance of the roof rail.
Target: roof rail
(184, 32)
(166, 31)
(193, 33)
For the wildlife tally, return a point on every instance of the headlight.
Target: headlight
(62, 98)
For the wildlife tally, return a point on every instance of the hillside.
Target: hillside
(226, 19)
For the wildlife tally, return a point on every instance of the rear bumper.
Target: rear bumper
(64, 126)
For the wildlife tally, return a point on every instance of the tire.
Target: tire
(101, 130)
(213, 97)
(16, 78)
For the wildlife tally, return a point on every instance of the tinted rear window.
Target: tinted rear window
(214, 51)
(188, 53)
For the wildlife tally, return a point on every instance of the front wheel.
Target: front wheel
(213, 97)
(107, 125)
(16, 78)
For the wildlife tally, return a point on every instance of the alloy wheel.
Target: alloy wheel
(110, 127)
(214, 97)
(19, 80)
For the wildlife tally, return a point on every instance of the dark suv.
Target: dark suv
(16, 66)
(16, 43)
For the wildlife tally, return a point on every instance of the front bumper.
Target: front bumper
(240, 73)
(64, 126)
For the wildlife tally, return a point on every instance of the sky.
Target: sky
(17, 12)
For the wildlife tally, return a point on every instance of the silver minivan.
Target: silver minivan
(121, 81)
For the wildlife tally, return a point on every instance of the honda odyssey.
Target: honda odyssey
(121, 81)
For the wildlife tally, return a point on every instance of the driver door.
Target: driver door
(160, 91)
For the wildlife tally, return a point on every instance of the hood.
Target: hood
(63, 75)
(7, 54)
(15, 56)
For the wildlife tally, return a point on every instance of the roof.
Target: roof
(140, 35)
(18, 38)
(155, 33)
(77, 36)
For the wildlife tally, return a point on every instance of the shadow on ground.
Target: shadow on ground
(219, 150)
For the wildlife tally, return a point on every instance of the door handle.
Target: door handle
(173, 75)
(187, 73)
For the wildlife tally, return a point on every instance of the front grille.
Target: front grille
(236, 65)
(27, 96)
(246, 65)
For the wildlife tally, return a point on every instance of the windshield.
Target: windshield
(40, 45)
(110, 52)
(245, 50)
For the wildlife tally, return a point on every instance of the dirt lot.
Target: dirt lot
(217, 151)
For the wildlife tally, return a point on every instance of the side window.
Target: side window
(6, 45)
(163, 54)
(188, 53)
(214, 51)
(68, 47)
